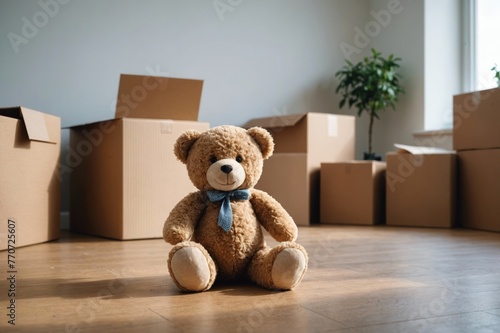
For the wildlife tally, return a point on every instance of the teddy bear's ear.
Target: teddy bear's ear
(264, 140)
(184, 144)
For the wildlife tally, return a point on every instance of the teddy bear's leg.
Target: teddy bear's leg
(191, 267)
(281, 267)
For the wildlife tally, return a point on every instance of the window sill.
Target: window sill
(435, 138)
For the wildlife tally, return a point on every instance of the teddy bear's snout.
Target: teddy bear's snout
(226, 175)
(226, 168)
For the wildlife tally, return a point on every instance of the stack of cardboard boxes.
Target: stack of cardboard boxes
(476, 137)
(302, 143)
(425, 188)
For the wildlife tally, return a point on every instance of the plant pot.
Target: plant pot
(371, 157)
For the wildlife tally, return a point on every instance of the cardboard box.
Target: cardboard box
(125, 177)
(421, 189)
(302, 143)
(479, 190)
(353, 192)
(476, 117)
(30, 145)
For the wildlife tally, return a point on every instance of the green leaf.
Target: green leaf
(370, 85)
(342, 103)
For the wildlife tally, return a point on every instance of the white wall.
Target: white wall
(264, 55)
(404, 37)
(257, 59)
(427, 36)
(397, 27)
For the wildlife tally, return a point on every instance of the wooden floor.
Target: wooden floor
(360, 279)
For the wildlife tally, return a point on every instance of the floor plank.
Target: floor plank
(360, 279)
(477, 322)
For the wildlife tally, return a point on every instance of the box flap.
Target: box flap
(39, 126)
(156, 97)
(276, 121)
(36, 125)
(421, 150)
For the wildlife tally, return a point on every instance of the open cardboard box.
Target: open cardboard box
(421, 187)
(30, 145)
(302, 143)
(353, 192)
(125, 178)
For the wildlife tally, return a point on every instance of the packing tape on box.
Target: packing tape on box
(166, 127)
(333, 125)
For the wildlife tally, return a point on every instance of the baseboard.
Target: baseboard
(64, 220)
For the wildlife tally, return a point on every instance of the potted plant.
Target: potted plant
(496, 76)
(371, 86)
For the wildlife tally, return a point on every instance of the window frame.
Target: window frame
(469, 45)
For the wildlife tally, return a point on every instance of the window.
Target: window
(486, 47)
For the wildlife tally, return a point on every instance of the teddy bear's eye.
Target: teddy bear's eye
(213, 159)
(239, 159)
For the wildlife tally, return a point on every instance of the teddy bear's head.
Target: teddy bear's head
(224, 158)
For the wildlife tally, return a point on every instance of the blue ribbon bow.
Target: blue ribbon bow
(226, 214)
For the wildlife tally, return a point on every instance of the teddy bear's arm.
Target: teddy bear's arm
(273, 217)
(183, 218)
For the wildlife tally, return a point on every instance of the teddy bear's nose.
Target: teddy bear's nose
(226, 168)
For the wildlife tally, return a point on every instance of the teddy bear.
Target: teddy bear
(217, 230)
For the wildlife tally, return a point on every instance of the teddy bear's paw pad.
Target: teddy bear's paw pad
(288, 268)
(190, 269)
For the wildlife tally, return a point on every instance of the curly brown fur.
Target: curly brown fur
(273, 217)
(224, 142)
(242, 249)
(184, 143)
(183, 218)
(263, 139)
